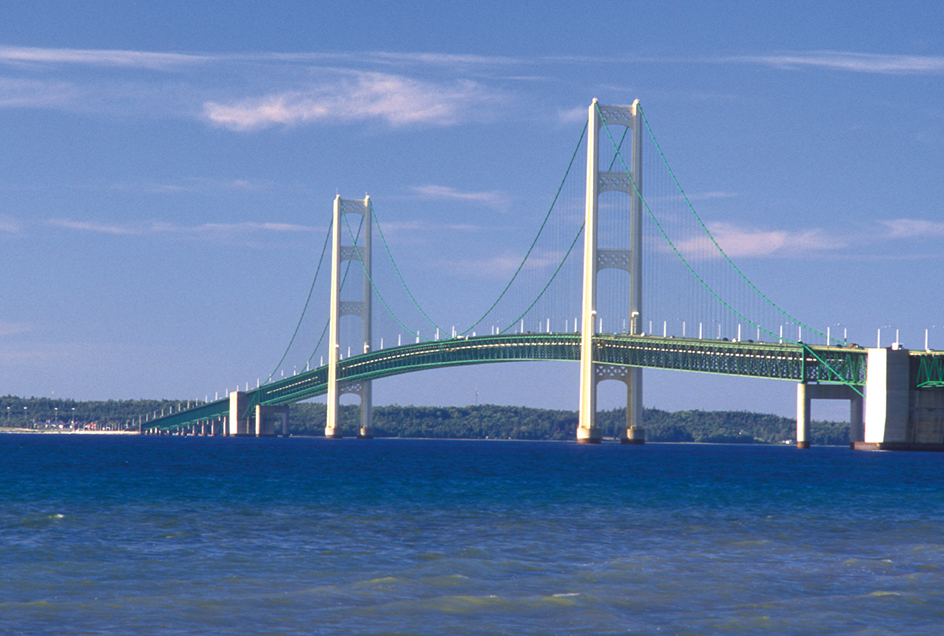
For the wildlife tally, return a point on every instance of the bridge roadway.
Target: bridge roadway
(795, 362)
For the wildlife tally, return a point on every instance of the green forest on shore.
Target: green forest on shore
(484, 421)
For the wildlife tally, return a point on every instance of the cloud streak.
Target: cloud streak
(490, 198)
(503, 265)
(13, 328)
(913, 228)
(394, 99)
(28, 93)
(9, 226)
(100, 58)
(158, 228)
(744, 242)
(201, 185)
(750, 242)
(251, 92)
(848, 61)
(247, 93)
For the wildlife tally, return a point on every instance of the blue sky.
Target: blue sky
(167, 172)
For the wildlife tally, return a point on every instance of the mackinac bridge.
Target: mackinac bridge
(622, 275)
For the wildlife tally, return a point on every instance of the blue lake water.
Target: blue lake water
(169, 535)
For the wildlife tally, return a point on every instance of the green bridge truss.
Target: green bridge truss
(930, 370)
(795, 362)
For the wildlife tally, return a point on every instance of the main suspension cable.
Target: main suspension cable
(311, 289)
(699, 278)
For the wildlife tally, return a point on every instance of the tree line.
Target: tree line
(467, 422)
(517, 422)
(16, 412)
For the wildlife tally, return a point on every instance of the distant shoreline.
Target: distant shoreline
(56, 431)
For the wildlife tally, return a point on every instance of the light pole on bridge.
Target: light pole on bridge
(878, 344)
(926, 347)
(710, 323)
(845, 338)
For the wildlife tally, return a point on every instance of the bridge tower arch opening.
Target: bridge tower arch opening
(624, 257)
(806, 392)
(361, 257)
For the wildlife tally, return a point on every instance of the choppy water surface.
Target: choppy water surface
(120, 535)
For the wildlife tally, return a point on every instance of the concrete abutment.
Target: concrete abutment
(899, 414)
(896, 413)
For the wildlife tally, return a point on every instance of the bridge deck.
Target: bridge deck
(745, 358)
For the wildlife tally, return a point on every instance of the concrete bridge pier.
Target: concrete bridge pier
(856, 421)
(635, 433)
(270, 419)
(899, 414)
(808, 392)
(239, 425)
(333, 431)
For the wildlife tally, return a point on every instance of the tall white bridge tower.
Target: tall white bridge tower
(624, 257)
(361, 256)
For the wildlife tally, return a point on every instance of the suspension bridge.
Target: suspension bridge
(702, 314)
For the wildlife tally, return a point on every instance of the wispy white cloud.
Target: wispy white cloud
(746, 242)
(201, 185)
(97, 95)
(396, 233)
(10, 226)
(92, 226)
(449, 61)
(503, 265)
(573, 115)
(250, 226)
(856, 62)
(154, 228)
(119, 58)
(712, 195)
(420, 232)
(249, 92)
(28, 93)
(252, 92)
(491, 198)
(431, 228)
(751, 242)
(848, 61)
(913, 228)
(395, 99)
(13, 328)
(100, 58)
